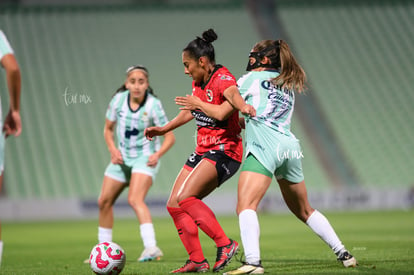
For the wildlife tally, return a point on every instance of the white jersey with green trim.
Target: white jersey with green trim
(5, 48)
(274, 106)
(131, 124)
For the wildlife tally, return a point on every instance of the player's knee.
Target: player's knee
(104, 203)
(135, 203)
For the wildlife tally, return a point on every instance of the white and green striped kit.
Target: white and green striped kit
(5, 48)
(131, 124)
(268, 137)
(274, 107)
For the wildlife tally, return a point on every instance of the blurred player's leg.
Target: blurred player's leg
(139, 186)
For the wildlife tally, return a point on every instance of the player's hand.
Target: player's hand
(189, 102)
(116, 156)
(248, 110)
(153, 160)
(151, 132)
(12, 124)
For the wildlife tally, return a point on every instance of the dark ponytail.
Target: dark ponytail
(121, 89)
(201, 46)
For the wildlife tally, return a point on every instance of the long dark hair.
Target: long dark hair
(128, 71)
(201, 46)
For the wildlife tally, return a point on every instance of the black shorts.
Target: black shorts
(226, 166)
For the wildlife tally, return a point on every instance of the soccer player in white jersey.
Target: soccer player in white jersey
(272, 149)
(134, 159)
(12, 124)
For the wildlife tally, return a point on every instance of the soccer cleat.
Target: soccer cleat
(191, 266)
(224, 255)
(247, 269)
(347, 259)
(150, 253)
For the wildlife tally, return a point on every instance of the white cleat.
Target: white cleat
(150, 254)
(247, 269)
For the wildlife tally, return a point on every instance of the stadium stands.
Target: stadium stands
(358, 56)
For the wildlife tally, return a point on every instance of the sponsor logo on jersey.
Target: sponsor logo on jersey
(202, 120)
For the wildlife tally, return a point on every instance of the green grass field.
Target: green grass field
(383, 243)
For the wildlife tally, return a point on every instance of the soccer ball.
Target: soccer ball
(107, 258)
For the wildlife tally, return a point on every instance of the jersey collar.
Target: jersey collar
(140, 105)
(204, 84)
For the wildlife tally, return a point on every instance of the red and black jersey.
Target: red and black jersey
(213, 134)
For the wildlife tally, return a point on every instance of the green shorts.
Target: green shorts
(271, 152)
(253, 165)
(122, 172)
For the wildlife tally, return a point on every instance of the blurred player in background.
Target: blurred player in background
(12, 124)
(217, 155)
(134, 159)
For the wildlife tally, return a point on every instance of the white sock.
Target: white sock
(250, 234)
(104, 234)
(148, 235)
(1, 250)
(321, 226)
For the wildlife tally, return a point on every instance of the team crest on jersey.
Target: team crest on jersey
(145, 117)
(226, 77)
(209, 94)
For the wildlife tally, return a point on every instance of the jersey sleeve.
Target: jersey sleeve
(5, 47)
(242, 88)
(111, 111)
(226, 80)
(158, 114)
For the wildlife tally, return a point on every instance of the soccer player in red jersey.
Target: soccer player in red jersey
(217, 156)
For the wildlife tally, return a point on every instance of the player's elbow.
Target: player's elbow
(10, 65)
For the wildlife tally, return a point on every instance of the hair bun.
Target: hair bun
(209, 35)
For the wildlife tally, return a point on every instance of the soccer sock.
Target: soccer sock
(188, 232)
(104, 234)
(321, 226)
(205, 219)
(250, 234)
(148, 235)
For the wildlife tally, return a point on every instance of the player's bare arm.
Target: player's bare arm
(219, 112)
(12, 122)
(116, 156)
(182, 118)
(232, 95)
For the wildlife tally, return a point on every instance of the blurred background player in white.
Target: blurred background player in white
(12, 124)
(272, 149)
(134, 160)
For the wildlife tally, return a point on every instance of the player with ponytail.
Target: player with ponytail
(273, 77)
(217, 155)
